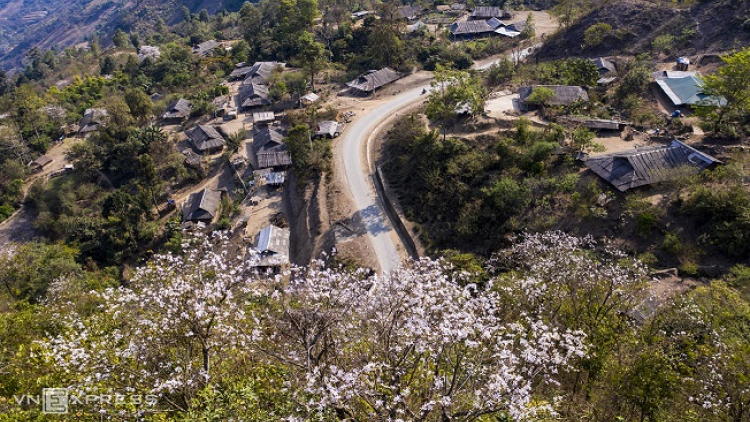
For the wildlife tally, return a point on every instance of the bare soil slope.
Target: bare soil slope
(710, 26)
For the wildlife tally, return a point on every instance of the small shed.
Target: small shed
(206, 139)
(40, 163)
(263, 118)
(276, 178)
(687, 91)
(271, 249)
(328, 129)
(683, 63)
(309, 98)
(604, 66)
(202, 206)
(410, 13)
(370, 81)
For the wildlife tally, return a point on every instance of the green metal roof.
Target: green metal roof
(687, 91)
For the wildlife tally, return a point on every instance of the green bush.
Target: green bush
(672, 244)
(595, 34)
(645, 223)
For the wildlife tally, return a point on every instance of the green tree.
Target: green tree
(107, 65)
(529, 31)
(26, 273)
(595, 34)
(312, 55)
(120, 39)
(732, 83)
(139, 103)
(453, 90)
(582, 140)
(541, 95)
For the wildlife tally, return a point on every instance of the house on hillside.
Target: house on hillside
(177, 112)
(270, 250)
(562, 95)
(409, 13)
(270, 149)
(252, 96)
(202, 206)
(483, 28)
(644, 166)
(604, 66)
(487, 12)
(93, 120)
(206, 48)
(328, 129)
(40, 163)
(240, 73)
(148, 52)
(370, 81)
(260, 72)
(685, 89)
(475, 28)
(206, 139)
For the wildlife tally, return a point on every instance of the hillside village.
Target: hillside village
(261, 190)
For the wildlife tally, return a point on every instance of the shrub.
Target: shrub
(595, 34)
(645, 223)
(663, 43)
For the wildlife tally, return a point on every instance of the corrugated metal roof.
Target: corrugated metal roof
(271, 248)
(687, 91)
(263, 117)
(644, 166)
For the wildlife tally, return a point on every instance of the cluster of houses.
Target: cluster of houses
(646, 165)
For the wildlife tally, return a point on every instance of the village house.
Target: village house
(685, 89)
(261, 72)
(202, 206)
(487, 12)
(206, 48)
(409, 13)
(483, 28)
(370, 81)
(270, 149)
(93, 120)
(205, 139)
(177, 112)
(252, 96)
(644, 166)
(563, 95)
(270, 250)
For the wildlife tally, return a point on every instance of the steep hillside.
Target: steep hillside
(64, 23)
(708, 27)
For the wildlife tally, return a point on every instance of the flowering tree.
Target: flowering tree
(413, 345)
(162, 333)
